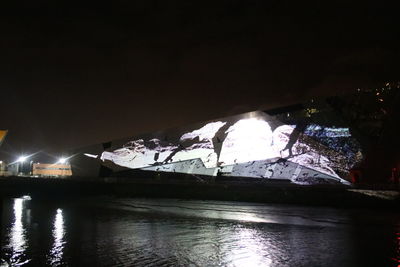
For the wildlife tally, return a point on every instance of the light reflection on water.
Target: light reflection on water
(56, 253)
(17, 237)
(250, 250)
(129, 232)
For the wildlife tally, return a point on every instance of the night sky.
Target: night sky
(74, 75)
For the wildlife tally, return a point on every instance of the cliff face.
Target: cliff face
(254, 144)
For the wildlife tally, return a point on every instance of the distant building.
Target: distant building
(3, 168)
(20, 168)
(51, 170)
(39, 169)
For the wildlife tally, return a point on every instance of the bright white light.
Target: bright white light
(247, 140)
(22, 158)
(18, 241)
(90, 155)
(250, 249)
(58, 231)
(62, 160)
(56, 253)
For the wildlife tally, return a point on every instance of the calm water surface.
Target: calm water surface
(164, 232)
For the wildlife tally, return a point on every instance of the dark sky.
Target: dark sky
(73, 75)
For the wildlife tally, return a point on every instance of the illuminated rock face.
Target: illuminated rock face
(247, 140)
(250, 145)
(192, 145)
(138, 153)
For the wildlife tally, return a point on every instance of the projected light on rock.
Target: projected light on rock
(280, 138)
(203, 148)
(206, 132)
(300, 152)
(248, 145)
(141, 153)
(247, 140)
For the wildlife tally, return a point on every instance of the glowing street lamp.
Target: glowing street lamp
(62, 160)
(23, 168)
(22, 159)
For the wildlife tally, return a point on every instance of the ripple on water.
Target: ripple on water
(104, 234)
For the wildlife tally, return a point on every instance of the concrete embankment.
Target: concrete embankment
(256, 191)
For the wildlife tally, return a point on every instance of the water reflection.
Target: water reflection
(194, 233)
(56, 252)
(249, 250)
(17, 237)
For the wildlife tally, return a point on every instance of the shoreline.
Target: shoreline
(278, 192)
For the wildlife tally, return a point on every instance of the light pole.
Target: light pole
(20, 166)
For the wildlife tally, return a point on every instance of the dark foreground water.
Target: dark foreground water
(161, 232)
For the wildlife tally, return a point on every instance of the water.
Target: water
(161, 232)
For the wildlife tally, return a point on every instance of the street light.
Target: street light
(62, 160)
(21, 166)
(22, 159)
